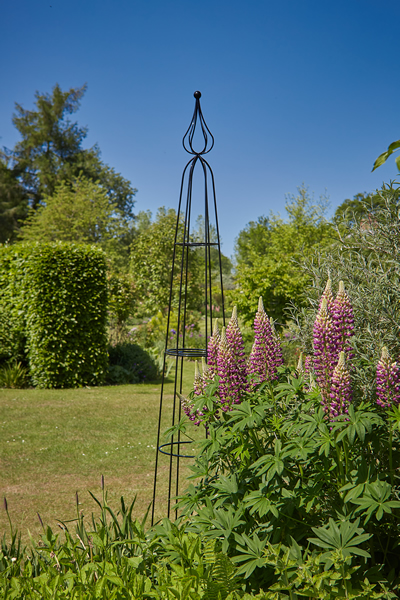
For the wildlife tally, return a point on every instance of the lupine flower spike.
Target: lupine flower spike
(387, 381)
(212, 350)
(340, 389)
(308, 366)
(261, 360)
(327, 294)
(325, 356)
(300, 368)
(235, 341)
(231, 384)
(276, 359)
(198, 380)
(187, 406)
(343, 319)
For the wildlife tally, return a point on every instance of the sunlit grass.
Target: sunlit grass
(55, 443)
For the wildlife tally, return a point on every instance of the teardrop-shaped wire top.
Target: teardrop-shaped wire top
(188, 138)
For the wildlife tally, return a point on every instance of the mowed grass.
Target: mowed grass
(54, 443)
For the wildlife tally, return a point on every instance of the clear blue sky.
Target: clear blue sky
(293, 91)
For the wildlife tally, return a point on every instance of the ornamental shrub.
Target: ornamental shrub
(129, 363)
(65, 298)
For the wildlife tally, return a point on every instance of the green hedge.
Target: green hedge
(61, 304)
(12, 314)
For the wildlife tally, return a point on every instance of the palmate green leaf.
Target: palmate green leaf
(246, 417)
(252, 554)
(343, 537)
(259, 503)
(375, 500)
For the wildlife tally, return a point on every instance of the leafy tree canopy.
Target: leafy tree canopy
(151, 264)
(50, 151)
(267, 252)
(362, 207)
(78, 211)
(13, 202)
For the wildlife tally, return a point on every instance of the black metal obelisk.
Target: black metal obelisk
(197, 141)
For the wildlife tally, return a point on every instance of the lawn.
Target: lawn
(55, 443)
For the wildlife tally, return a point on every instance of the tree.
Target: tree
(78, 211)
(50, 151)
(13, 202)
(362, 207)
(267, 253)
(151, 265)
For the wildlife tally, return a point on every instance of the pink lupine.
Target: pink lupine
(212, 350)
(387, 381)
(340, 394)
(343, 319)
(325, 356)
(231, 381)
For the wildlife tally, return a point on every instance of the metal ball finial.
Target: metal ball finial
(197, 95)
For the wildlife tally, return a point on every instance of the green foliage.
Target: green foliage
(78, 211)
(266, 252)
(50, 151)
(66, 315)
(361, 208)
(129, 363)
(13, 375)
(13, 202)
(382, 158)
(121, 305)
(12, 314)
(274, 475)
(364, 256)
(116, 559)
(151, 266)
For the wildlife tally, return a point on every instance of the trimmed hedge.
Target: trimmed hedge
(62, 295)
(12, 314)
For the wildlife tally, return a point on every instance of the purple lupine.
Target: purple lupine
(276, 359)
(235, 341)
(198, 384)
(343, 319)
(308, 365)
(387, 381)
(340, 394)
(261, 364)
(212, 351)
(327, 294)
(325, 356)
(187, 406)
(231, 381)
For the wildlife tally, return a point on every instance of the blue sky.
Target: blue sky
(293, 91)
